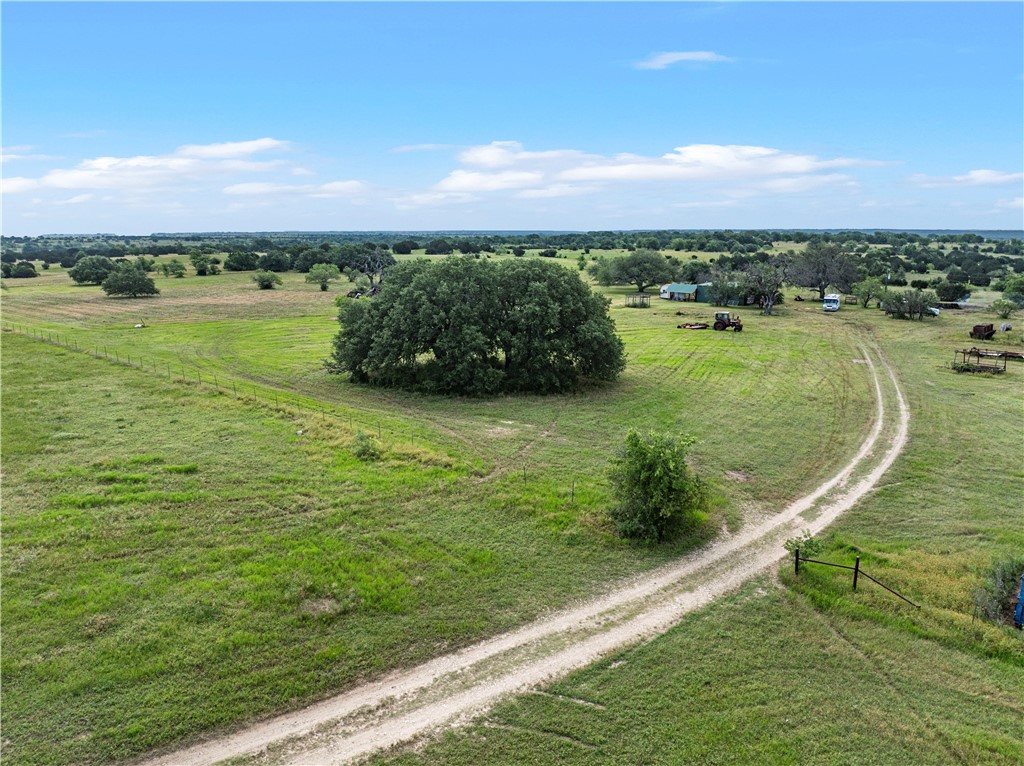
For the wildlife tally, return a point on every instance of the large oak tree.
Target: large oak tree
(475, 327)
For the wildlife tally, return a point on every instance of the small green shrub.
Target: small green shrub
(365, 447)
(265, 280)
(809, 545)
(1003, 308)
(659, 496)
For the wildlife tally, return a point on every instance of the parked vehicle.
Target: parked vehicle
(831, 302)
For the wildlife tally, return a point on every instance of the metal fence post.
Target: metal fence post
(796, 561)
(856, 572)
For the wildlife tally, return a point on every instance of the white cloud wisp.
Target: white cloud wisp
(665, 60)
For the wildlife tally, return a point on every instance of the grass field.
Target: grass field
(801, 669)
(179, 557)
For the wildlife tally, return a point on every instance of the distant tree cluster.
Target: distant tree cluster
(476, 327)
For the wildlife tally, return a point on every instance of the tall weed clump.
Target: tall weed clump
(995, 598)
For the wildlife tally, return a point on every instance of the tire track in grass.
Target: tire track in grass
(455, 688)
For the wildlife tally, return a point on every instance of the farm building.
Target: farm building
(677, 291)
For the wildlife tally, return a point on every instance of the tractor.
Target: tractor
(723, 321)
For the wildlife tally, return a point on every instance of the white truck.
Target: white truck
(831, 302)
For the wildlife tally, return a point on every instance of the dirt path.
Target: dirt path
(455, 688)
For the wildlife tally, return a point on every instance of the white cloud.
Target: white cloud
(741, 171)
(971, 178)
(471, 181)
(504, 153)
(798, 184)
(663, 60)
(1017, 203)
(421, 147)
(76, 200)
(22, 152)
(231, 148)
(188, 163)
(338, 189)
(707, 162)
(16, 184)
(432, 198)
(707, 204)
(327, 190)
(556, 190)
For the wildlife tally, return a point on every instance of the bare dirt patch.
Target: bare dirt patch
(319, 606)
(500, 431)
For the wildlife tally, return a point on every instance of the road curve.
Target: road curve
(455, 688)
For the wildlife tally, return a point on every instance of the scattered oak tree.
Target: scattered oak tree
(474, 327)
(322, 274)
(952, 292)
(91, 270)
(643, 268)
(274, 261)
(824, 264)
(203, 263)
(129, 281)
(658, 495)
(242, 260)
(867, 290)
(173, 268)
(909, 304)
(24, 270)
(265, 280)
(765, 282)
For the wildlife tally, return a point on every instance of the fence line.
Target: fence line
(276, 400)
(238, 391)
(857, 571)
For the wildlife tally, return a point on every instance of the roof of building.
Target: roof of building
(678, 287)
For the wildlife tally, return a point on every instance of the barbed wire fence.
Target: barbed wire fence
(264, 394)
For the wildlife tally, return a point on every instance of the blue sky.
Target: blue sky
(141, 117)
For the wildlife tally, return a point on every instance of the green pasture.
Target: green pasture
(189, 543)
(801, 669)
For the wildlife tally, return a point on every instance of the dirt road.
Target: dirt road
(458, 687)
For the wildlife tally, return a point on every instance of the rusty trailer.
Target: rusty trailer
(969, 360)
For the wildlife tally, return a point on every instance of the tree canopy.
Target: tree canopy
(475, 327)
(824, 264)
(129, 281)
(91, 270)
(643, 268)
(322, 274)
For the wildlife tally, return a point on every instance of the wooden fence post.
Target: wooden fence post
(796, 561)
(856, 572)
